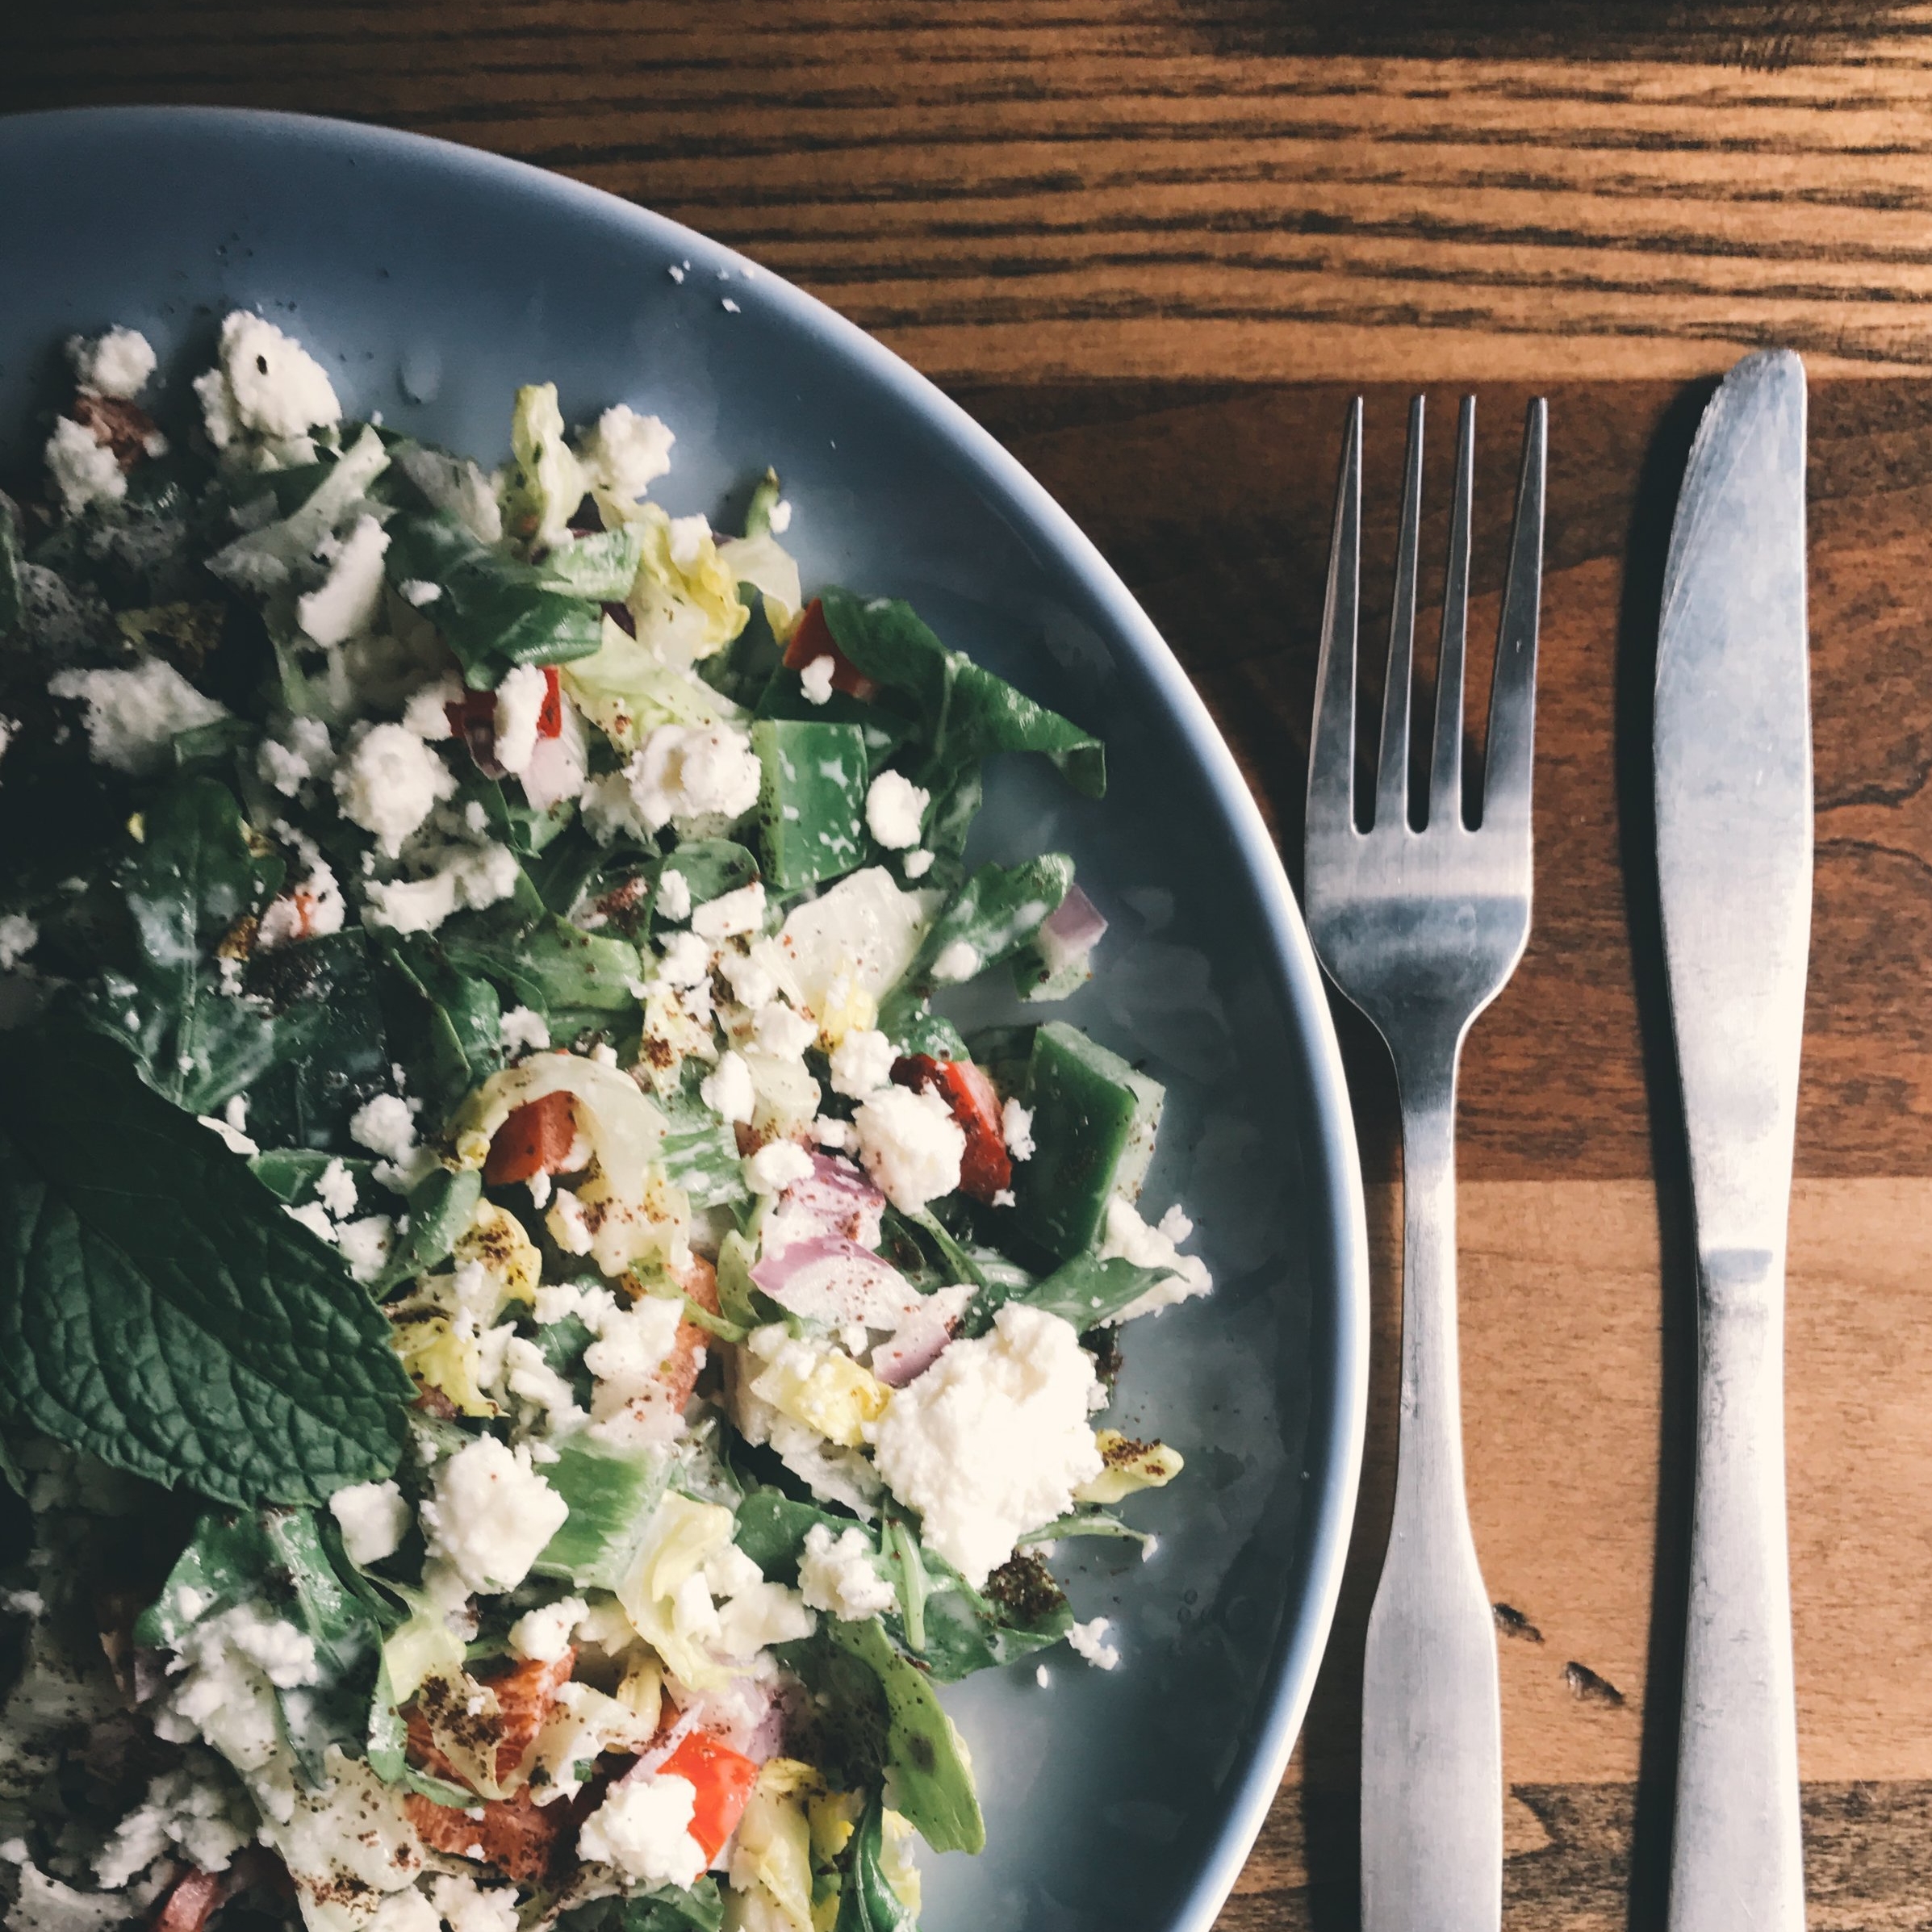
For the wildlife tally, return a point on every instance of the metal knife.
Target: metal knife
(1733, 851)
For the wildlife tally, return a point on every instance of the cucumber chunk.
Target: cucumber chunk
(811, 805)
(1094, 1120)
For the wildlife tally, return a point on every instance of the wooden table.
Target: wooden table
(1153, 243)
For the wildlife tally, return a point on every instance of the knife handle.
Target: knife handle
(1735, 1857)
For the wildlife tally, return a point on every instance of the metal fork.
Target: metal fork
(1422, 930)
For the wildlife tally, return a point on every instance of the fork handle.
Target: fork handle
(1736, 1855)
(1432, 1793)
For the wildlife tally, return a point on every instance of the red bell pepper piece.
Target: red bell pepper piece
(723, 1779)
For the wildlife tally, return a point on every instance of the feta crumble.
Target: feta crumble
(1016, 1129)
(993, 1439)
(842, 1578)
(731, 914)
(84, 470)
(374, 1518)
(386, 1126)
(345, 605)
(673, 902)
(265, 384)
(18, 936)
(519, 702)
(895, 809)
(1129, 1238)
(957, 962)
(129, 715)
(776, 1166)
(1089, 1640)
(389, 783)
(689, 772)
(911, 1146)
(815, 680)
(625, 454)
(523, 1031)
(489, 1514)
(727, 1090)
(642, 1831)
(544, 1634)
(116, 364)
(862, 1063)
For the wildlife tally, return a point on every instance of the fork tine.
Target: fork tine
(1513, 695)
(1445, 761)
(1332, 738)
(1392, 783)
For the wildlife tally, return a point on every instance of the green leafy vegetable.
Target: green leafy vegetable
(331, 1052)
(968, 713)
(10, 600)
(602, 566)
(459, 1019)
(811, 801)
(158, 1308)
(868, 1902)
(493, 612)
(440, 1206)
(1086, 1291)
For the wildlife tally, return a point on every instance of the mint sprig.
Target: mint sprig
(158, 1308)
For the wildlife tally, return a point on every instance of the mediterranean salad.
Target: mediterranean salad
(531, 1348)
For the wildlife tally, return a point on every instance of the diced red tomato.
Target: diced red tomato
(190, 1902)
(537, 1139)
(813, 639)
(985, 1168)
(517, 1835)
(549, 720)
(723, 1779)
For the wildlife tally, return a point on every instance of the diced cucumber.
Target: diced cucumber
(1094, 1120)
(612, 1494)
(811, 806)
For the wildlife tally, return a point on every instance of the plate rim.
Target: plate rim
(1288, 1681)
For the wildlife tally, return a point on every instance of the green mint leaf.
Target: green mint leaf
(158, 1309)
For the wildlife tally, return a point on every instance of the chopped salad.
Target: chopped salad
(531, 1350)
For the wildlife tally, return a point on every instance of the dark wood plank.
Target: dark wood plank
(1171, 187)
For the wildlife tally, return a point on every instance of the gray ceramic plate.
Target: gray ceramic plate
(432, 281)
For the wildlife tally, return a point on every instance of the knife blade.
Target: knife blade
(1732, 745)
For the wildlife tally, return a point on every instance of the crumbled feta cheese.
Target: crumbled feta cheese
(728, 305)
(731, 914)
(842, 1578)
(815, 680)
(374, 1517)
(1129, 1238)
(335, 1189)
(528, 1377)
(473, 876)
(344, 604)
(959, 961)
(776, 1166)
(520, 701)
(366, 1245)
(266, 384)
(464, 1906)
(749, 975)
(781, 517)
(1089, 1640)
(688, 771)
(781, 1032)
(911, 1146)
(18, 936)
(832, 1133)
(1016, 1130)
(686, 960)
(116, 364)
(625, 454)
(311, 910)
(232, 1138)
(490, 1514)
(642, 1831)
(894, 809)
(83, 471)
(727, 1090)
(631, 1401)
(917, 864)
(545, 1634)
(862, 1063)
(1040, 1676)
(419, 593)
(386, 1126)
(523, 1031)
(389, 782)
(131, 715)
(673, 902)
(193, 1816)
(993, 1439)
(312, 1215)
(426, 714)
(688, 537)
(302, 752)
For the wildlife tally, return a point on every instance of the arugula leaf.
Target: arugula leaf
(191, 877)
(604, 566)
(868, 1902)
(1086, 1291)
(440, 1206)
(546, 963)
(464, 1028)
(158, 1309)
(493, 612)
(711, 868)
(966, 711)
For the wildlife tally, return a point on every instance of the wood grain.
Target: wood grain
(1326, 190)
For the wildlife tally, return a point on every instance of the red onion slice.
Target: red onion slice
(922, 1338)
(1074, 929)
(830, 1279)
(838, 1198)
